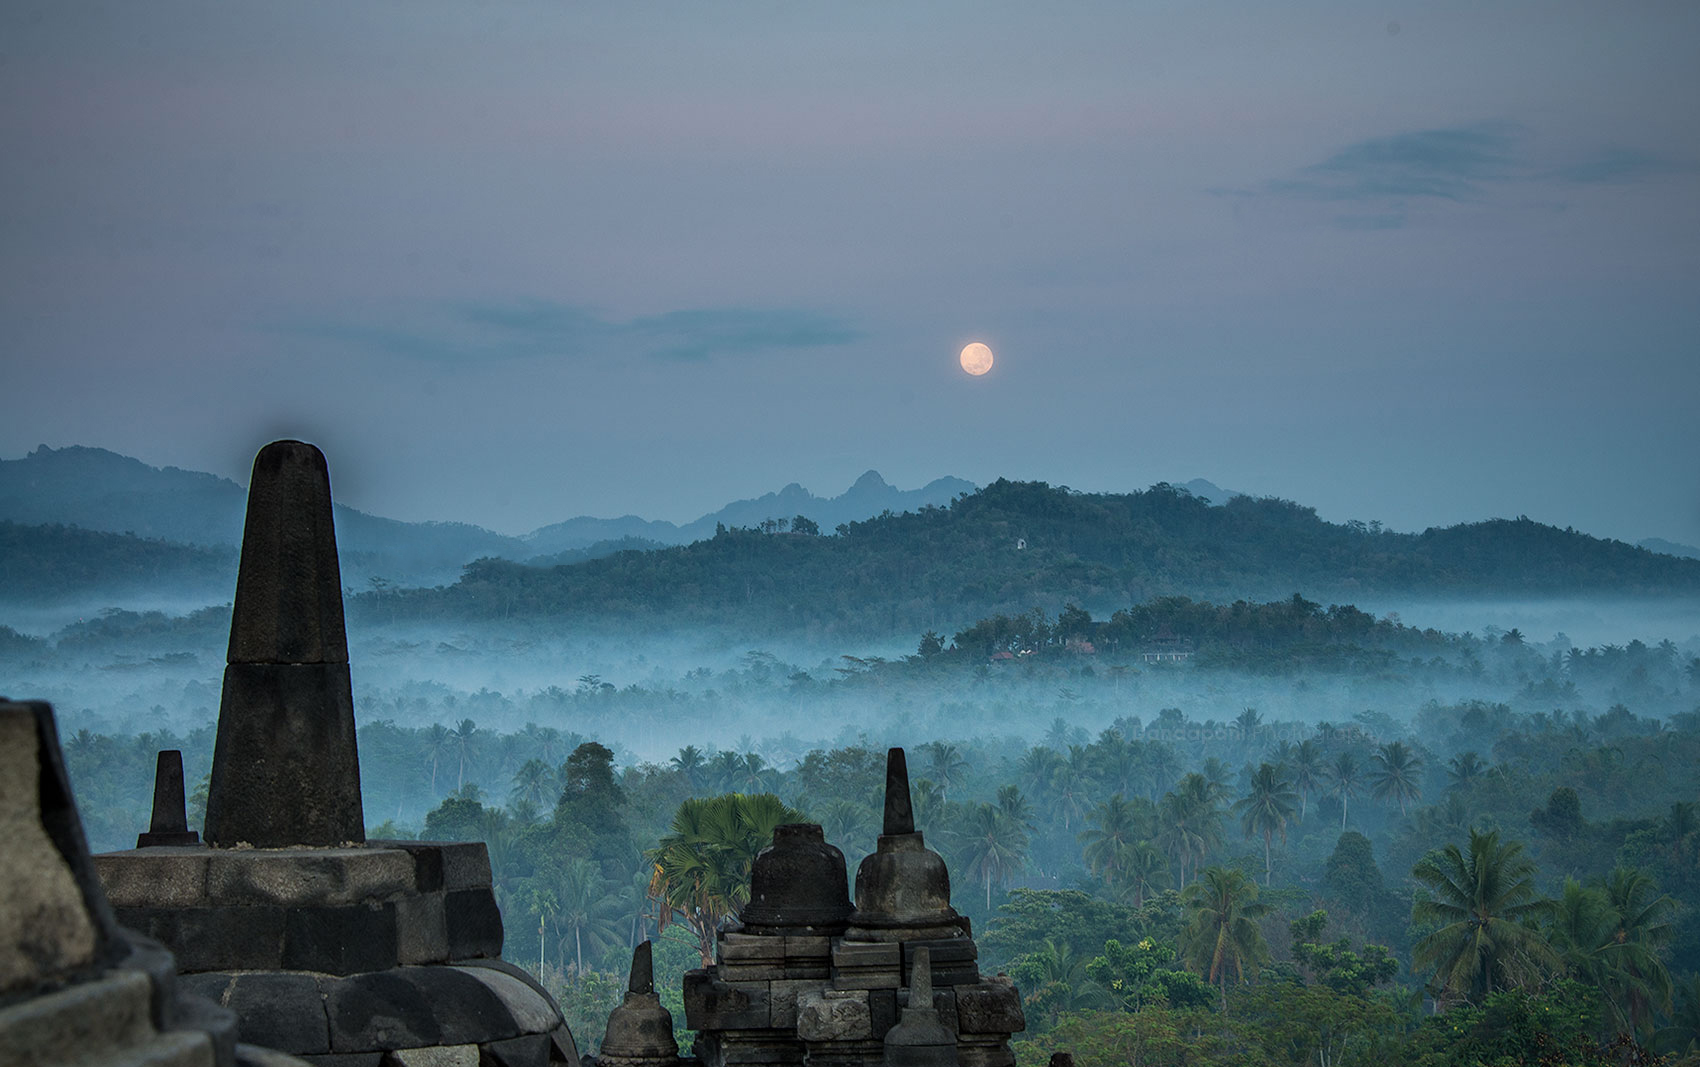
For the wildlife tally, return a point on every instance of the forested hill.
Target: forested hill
(1014, 546)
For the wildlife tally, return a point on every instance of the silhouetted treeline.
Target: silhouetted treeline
(1013, 546)
(50, 563)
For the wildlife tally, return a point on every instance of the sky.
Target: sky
(511, 262)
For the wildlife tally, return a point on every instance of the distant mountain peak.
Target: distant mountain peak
(870, 480)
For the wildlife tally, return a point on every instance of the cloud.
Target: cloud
(1450, 164)
(533, 329)
(1618, 165)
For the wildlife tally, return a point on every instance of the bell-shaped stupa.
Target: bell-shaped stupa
(798, 886)
(640, 1030)
(903, 888)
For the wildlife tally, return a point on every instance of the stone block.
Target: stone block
(882, 1010)
(422, 932)
(782, 1003)
(531, 1010)
(434, 1056)
(757, 1047)
(980, 1050)
(341, 940)
(768, 972)
(474, 923)
(155, 878)
(466, 865)
(562, 1048)
(866, 980)
(280, 1010)
(285, 769)
(866, 954)
(711, 1004)
(519, 974)
(46, 930)
(531, 1050)
(468, 1009)
(214, 939)
(345, 1059)
(944, 1005)
(213, 985)
(834, 1015)
(378, 1011)
(82, 1022)
(808, 947)
(301, 877)
(731, 946)
(990, 1007)
(427, 862)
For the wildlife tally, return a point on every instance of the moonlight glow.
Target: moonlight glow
(976, 359)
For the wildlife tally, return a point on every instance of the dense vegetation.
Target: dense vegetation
(1016, 545)
(1207, 886)
(54, 563)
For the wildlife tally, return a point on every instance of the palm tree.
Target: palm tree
(587, 910)
(945, 766)
(1119, 824)
(464, 742)
(1309, 771)
(535, 784)
(994, 847)
(434, 744)
(1056, 980)
(1267, 808)
(1480, 901)
(701, 870)
(1190, 822)
(1144, 870)
(1397, 774)
(1638, 982)
(847, 821)
(1221, 932)
(1465, 769)
(1683, 1033)
(1348, 778)
(689, 762)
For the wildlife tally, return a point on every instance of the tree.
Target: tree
(1465, 770)
(1118, 824)
(701, 870)
(1190, 824)
(1309, 771)
(1638, 982)
(1267, 809)
(689, 762)
(587, 910)
(945, 766)
(994, 846)
(1348, 779)
(464, 741)
(534, 784)
(1397, 774)
(434, 745)
(1222, 932)
(802, 524)
(1479, 903)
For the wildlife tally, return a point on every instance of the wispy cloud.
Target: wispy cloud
(533, 329)
(1453, 164)
(1373, 184)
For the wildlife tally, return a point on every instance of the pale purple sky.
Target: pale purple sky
(512, 262)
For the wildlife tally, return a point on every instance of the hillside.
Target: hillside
(54, 563)
(1014, 546)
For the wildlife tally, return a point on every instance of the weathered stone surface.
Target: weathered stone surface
(378, 1011)
(301, 877)
(214, 939)
(899, 815)
(530, 1009)
(345, 1059)
(474, 923)
(797, 882)
(564, 1049)
(422, 933)
(83, 1021)
(340, 940)
(737, 973)
(783, 1000)
(834, 1015)
(764, 1047)
(289, 584)
(992, 1006)
(169, 824)
(164, 877)
(479, 965)
(285, 769)
(640, 1030)
(277, 1010)
(437, 1056)
(257, 1056)
(531, 1050)
(920, 1038)
(468, 1009)
(45, 927)
(750, 947)
(711, 1004)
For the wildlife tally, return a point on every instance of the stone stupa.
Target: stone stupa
(324, 945)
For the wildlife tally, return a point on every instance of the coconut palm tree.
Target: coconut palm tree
(535, 783)
(1189, 822)
(1347, 777)
(1638, 982)
(945, 766)
(689, 762)
(1397, 774)
(1480, 899)
(435, 744)
(1310, 771)
(1267, 808)
(588, 912)
(464, 742)
(1144, 870)
(993, 847)
(1221, 933)
(1118, 823)
(1465, 770)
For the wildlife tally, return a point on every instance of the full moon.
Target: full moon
(976, 359)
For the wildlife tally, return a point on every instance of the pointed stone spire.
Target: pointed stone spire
(640, 1030)
(919, 1039)
(285, 767)
(643, 970)
(170, 822)
(899, 815)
